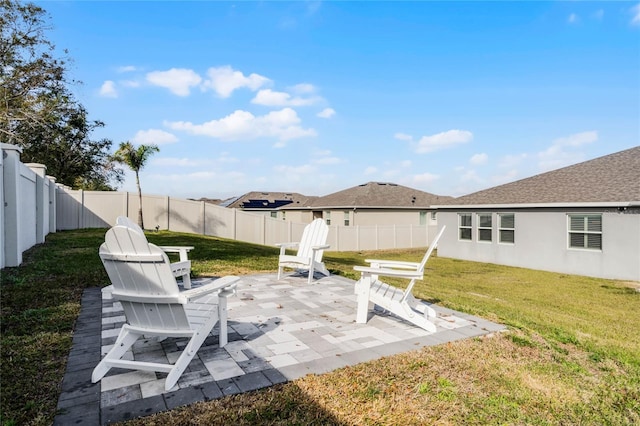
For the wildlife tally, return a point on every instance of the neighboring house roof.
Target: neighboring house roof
(267, 200)
(376, 195)
(609, 179)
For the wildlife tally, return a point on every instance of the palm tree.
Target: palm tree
(135, 159)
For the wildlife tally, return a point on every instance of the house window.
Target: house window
(433, 215)
(585, 231)
(507, 228)
(346, 218)
(423, 218)
(484, 227)
(464, 226)
(284, 215)
(327, 217)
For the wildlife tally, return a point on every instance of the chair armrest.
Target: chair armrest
(392, 264)
(365, 270)
(322, 247)
(183, 250)
(285, 246)
(224, 283)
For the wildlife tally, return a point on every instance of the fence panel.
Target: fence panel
(27, 208)
(219, 221)
(186, 216)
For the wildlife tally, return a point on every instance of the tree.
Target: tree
(38, 111)
(135, 159)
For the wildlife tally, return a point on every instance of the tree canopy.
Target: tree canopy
(37, 108)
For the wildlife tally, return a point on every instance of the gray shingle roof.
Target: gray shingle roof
(612, 178)
(379, 194)
(296, 199)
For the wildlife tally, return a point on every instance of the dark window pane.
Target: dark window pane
(465, 234)
(507, 221)
(485, 220)
(484, 234)
(507, 236)
(594, 241)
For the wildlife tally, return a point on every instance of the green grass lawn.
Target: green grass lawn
(571, 356)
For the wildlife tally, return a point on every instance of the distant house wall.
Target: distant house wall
(541, 242)
(363, 217)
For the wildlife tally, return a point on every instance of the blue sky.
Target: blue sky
(315, 97)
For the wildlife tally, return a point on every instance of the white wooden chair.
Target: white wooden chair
(310, 250)
(154, 306)
(371, 291)
(180, 269)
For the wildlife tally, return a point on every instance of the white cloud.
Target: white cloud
(269, 97)
(442, 140)
(512, 160)
(326, 113)
(242, 125)
(573, 18)
(130, 83)
(108, 89)
(126, 68)
(405, 164)
(635, 11)
(577, 139)
(304, 169)
(479, 159)
(598, 14)
(303, 89)
(425, 178)
(224, 80)
(175, 162)
(370, 170)
(154, 136)
(327, 160)
(403, 137)
(563, 150)
(470, 176)
(178, 80)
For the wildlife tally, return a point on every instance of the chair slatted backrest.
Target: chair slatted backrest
(432, 246)
(314, 234)
(423, 263)
(142, 280)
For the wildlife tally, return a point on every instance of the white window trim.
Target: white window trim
(460, 226)
(484, 227)
(500, 228)
(569, 232)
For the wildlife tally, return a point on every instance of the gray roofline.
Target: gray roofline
(539, 205)
(353, 208)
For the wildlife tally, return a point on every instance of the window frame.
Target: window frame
(462, 227)
(585, 232)
(481, 228)
(347, 218)
(502, 228)
(327, 216)
(422, 219)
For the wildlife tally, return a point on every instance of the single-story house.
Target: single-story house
(266, 202)
(372, 203)
(582, 219)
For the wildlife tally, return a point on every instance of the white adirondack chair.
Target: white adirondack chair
(153, 305)
(181, 269)
(370, 290)
(310, 250)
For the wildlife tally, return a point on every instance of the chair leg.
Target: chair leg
(189, 351)
(222, 313)
(362, 288)
(125, 340)
(310, 273)
(279, 272)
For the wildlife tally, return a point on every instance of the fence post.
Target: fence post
(235, 223)
(40, 171)
(168, 213)
(53, 189)
(12, 219)
(204, 219)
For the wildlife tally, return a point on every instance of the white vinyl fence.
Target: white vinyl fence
(28, 211)
(34, 205)
(99, 209)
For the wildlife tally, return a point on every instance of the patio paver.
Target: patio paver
(278, 331)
